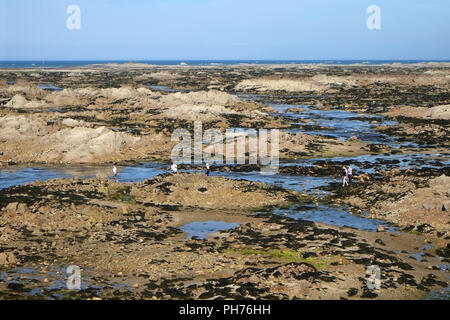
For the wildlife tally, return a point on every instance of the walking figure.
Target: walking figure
(208, 170)
(349, 173)
(344, 176)
(115, 172)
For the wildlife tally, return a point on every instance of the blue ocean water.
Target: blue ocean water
(64, 64)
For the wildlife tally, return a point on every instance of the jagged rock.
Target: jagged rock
(17, 208)
(7, 258)
(17, 101)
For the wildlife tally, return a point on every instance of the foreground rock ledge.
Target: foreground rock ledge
(128, 236)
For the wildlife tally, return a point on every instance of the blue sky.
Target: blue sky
(224, 29)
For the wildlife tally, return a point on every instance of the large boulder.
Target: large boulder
(82, 144)
(440, 112)
(18, 127)
(19, 102)
(207, 98)
(69, 122)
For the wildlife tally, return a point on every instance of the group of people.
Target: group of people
(347, 175)
(174, 168)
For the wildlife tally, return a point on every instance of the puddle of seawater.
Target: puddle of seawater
(49, 87)
(418, 256)
(18, 176)
(337, 216)
(302, 184)
(13, 177)
(443, 294)
(162, 88)
(201, 229)
(337, 123)
(141, 172)
(33, 280)
(444, 267)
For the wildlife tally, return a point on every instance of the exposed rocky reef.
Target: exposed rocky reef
(129, 239)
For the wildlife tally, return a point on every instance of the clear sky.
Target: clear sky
(224, 29)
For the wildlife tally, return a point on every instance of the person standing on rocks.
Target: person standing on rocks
(349, 173)
(208, 170)
(115, 172)
(344, 176)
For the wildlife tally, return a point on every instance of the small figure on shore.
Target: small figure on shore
(174, 167)
(115, 172)
(344, 176)
(207, 169)
(349, 173)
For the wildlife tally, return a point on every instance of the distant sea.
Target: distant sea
(63, 64)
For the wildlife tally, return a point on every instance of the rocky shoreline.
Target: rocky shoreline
(389, 122)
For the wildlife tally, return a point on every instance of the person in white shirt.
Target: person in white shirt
(174, 167)
(115, 172)
(344, 176)
(349, 173)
